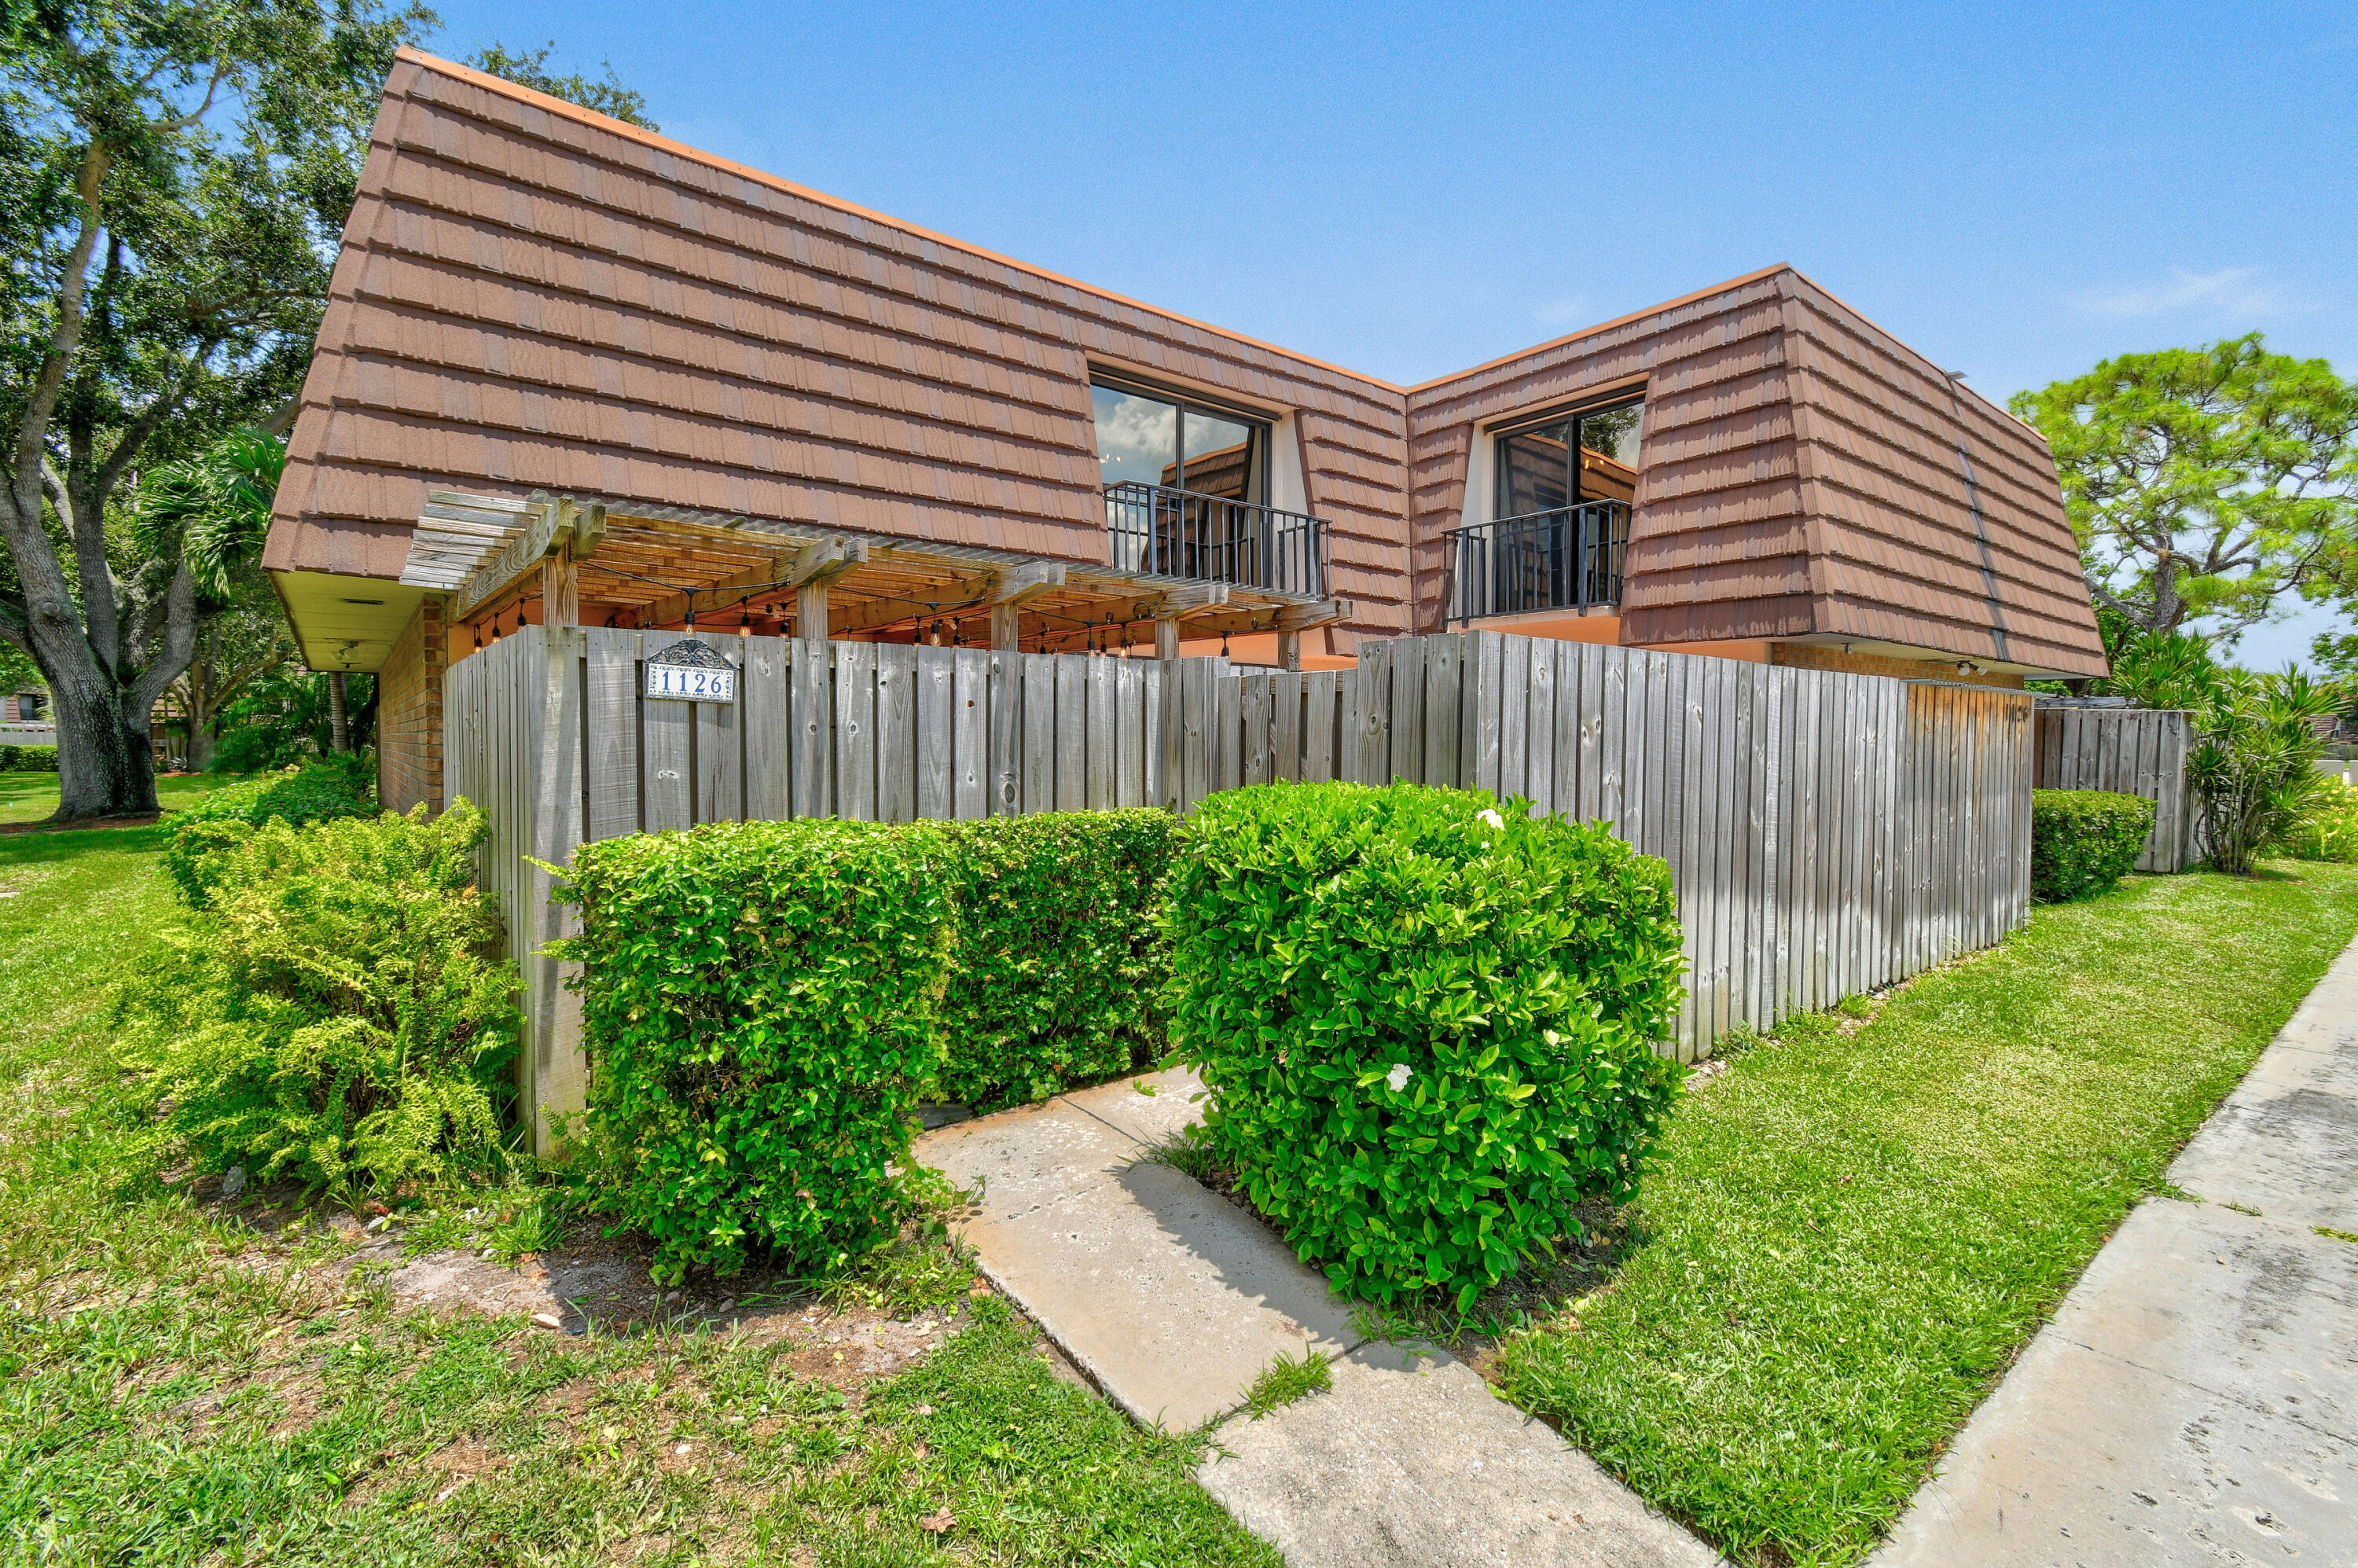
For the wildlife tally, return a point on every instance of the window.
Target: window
(1147, 437)
(1564, 459)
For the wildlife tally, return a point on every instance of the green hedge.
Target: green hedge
(202, 834)
(764, 1004)
(759, 1004)
(1060, 960)
(1427, 1023)
(28, 759)
(2084, 840)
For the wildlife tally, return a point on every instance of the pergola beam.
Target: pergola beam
(814, 564)
(1009, 585)
(553, 523)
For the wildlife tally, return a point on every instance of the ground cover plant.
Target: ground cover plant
(217, 823)
(2085, 840)
(1427, 1022)
(188, 1380)
(332, 1010)
(1843, 1242)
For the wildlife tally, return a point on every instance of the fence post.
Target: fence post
(551, 679)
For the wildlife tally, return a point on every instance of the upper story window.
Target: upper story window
(1564, 460)
(1146, 436)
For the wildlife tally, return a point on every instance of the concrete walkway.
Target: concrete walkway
(1173, 1301)
(2196, 1399)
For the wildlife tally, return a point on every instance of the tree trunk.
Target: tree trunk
(105, 764)
(339, 734)
(204, 713)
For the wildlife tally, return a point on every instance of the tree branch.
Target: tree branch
(134, 434)
(65, 337)
(179, 644)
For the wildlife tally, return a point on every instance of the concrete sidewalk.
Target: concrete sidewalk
(1173, 1301)
(2196, 1399)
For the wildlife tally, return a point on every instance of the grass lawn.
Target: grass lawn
(177, 1386)
(29, 797)
(1846, 1238)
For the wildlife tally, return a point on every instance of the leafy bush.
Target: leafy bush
(760, 1005)
(28, 759)
(2084, 840)
(2253, 766)
(1059, 961)
(204, 834)
(2328, 828)
(1427, 1026)
(334, 1013)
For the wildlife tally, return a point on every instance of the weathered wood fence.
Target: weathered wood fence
(2131, 751)
(1828, 833)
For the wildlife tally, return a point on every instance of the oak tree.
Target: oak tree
(174, 181)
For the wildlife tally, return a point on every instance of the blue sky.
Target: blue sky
(2018, 191)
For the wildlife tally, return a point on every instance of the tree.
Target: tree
(245, 642)
(174, 181)
(283, 717)
(530, 68)
(2206, 482)
(214, 509)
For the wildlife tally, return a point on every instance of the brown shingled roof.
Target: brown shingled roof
(533, 297)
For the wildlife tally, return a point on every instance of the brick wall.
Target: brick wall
(409, 712)
(1814, 656)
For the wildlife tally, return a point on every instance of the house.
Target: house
(572, 371)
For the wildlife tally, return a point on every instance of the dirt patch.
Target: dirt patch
(81, 824)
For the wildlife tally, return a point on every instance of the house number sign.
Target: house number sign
(690, 671)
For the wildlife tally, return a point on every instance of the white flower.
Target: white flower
(1398, 1078)
(1494, 819)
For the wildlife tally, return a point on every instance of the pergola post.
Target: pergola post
(1003, 628)
(810, 612)
(1289, 650)
(1166, 637)
(560, 589)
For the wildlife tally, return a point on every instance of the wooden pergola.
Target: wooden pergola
(573, 560)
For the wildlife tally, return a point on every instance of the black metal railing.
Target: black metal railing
(1569, 559)
(1162, 532)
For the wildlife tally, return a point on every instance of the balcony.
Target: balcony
(1569, 559)
(1162, 532)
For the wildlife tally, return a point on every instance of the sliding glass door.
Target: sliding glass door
(1183, 482)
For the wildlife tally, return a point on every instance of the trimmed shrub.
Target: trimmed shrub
(1059, 963)
(1427, 1022)
(760, 1004)
(221, 822)
(2084, 840)
(335, 1013)
(28, 759)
